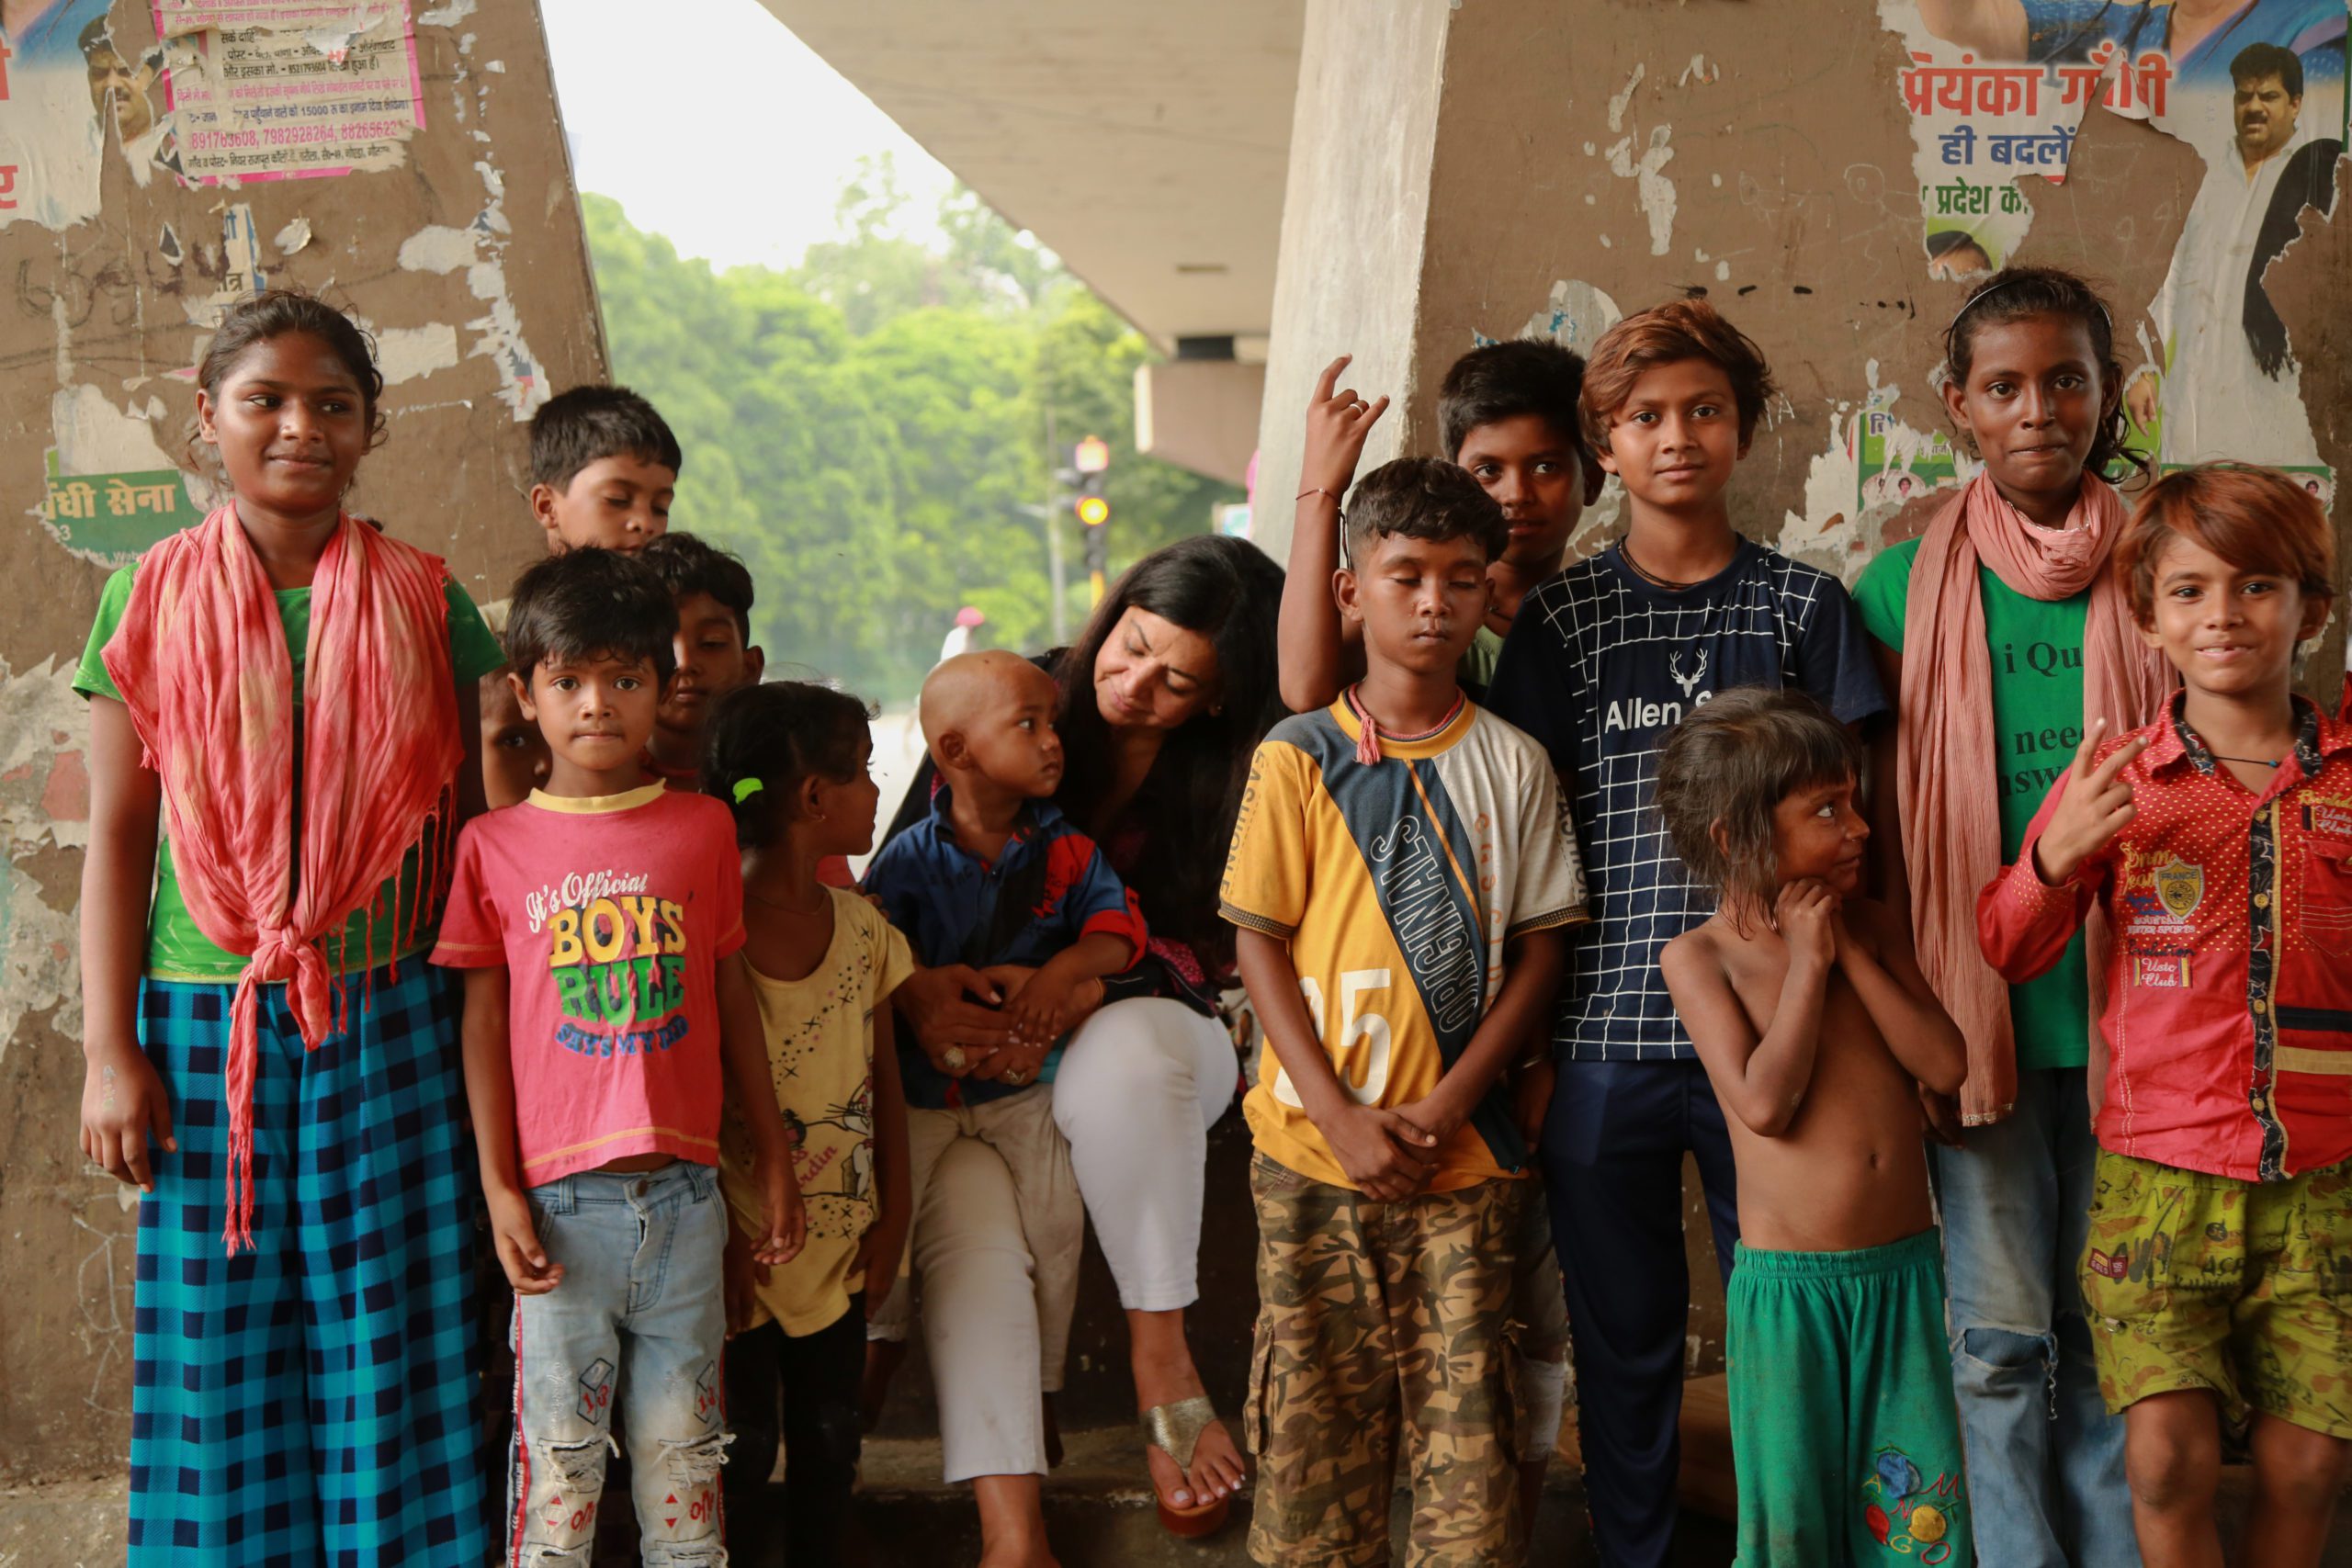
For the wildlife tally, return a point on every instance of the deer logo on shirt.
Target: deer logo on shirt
(1689, 683)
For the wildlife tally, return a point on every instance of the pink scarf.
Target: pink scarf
(1951, 824)
(202, 662)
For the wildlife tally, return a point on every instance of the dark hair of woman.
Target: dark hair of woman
(1228, 591)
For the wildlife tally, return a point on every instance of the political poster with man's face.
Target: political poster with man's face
(1997, 94)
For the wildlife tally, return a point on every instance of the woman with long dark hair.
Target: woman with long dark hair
(1164, 698)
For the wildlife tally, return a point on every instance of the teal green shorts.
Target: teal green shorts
(1842, 1422)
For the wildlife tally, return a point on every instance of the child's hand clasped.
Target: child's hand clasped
(1385, 1155)
(2098, 806)
(516, 1236)
(1806, 914)
(1042, 1005)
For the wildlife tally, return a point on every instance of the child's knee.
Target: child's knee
(2174, 1462)
(826, 1434)
(566, 1489)
(2298, 1468)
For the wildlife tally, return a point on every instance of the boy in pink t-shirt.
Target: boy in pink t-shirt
(598, 923)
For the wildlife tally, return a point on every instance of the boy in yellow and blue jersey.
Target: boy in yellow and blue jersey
(1400, 873)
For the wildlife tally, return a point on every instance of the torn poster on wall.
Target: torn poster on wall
(113, 518)
(1998, 91)
(67, 84)
(279, 89)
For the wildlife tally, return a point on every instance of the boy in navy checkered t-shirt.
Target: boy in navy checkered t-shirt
(1601, 662)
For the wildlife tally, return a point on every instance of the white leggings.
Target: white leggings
(1138, 1087)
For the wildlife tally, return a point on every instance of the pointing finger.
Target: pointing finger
(2105, 773)
(2089, 748)
(1330, 377)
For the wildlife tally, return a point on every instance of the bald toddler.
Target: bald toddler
(993, 833)
(996, 883)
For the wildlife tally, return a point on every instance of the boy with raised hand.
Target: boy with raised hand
(1400, 875)
(599, 925)
(1601, 662)
(604, 470)
(1506, 415)
(2217, 841)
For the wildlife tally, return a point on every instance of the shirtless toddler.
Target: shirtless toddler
(1817, 1027)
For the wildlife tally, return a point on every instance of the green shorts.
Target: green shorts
(1383, 1352)
(2243, 1287)
(1843, 1428)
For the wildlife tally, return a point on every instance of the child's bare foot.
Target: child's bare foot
(1164, 1374)
(883, 1359)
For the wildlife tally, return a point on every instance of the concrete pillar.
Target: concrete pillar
(1356, 217)
(451, 227)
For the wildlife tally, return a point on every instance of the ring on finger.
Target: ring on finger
(954, 1059)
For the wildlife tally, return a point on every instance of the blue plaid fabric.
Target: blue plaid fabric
(309, 1402)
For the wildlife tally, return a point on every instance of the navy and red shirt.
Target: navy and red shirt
(2229, 994)
(1051, 886)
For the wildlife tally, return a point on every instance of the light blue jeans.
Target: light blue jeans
(638, 1322)
(2045, 1460)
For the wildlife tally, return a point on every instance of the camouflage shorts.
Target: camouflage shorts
(1383, 1334)
(2243, 1288)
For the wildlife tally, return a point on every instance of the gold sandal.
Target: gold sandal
(1175, 1429)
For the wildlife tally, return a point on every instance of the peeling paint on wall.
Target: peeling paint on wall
(44, 804)
(1644, 161)
(407, 353)
(95, 437)
(239, 272)
(437, 248)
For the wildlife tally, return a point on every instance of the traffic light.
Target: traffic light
(1091, 460)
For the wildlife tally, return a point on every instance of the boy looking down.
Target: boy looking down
(1399, 874)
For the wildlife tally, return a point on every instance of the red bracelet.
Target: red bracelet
(1316, 490)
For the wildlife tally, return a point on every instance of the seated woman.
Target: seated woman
(1163, 700)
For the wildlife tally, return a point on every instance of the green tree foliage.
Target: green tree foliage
(868, 431)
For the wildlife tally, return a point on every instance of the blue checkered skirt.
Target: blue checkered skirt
(310, 1400)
